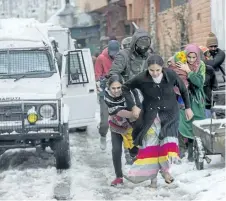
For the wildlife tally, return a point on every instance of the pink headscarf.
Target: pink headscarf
(190, 48)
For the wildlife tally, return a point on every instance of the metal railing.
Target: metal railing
(77, 73)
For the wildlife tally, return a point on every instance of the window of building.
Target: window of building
(179, 2)
(164, 5)
(127, 29)
(130, 11)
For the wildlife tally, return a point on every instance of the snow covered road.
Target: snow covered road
(27, 175)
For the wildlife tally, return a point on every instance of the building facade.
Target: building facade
(138, 11)
(38, 9)
(179, 22)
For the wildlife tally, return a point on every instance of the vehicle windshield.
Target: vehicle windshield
(16, 62)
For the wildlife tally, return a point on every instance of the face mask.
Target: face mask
(141, 50)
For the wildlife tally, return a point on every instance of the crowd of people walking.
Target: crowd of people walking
(149, 105)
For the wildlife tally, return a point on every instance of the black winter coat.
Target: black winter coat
(158, 98)
(210, 85)
(217, 61)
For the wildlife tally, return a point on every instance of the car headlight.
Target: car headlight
(32, 118)
(46, 111)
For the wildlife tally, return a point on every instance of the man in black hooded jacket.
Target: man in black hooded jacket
(217, 55)
(129, 62)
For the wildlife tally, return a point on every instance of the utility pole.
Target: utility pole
(153, 25)
(10, 8)
(46, 10)
(24, 11)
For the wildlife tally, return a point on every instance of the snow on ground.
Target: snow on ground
(28, 175)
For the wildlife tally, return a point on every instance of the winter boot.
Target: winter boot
(103, 143)
(154, 183)
(117, 181)
(182, 146)
(182, 152)
(167, 177)
(190, 152)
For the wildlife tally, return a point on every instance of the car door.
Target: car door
(79, 87)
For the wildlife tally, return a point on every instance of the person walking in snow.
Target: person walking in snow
(131, 60)
(192, 72)
(102, 66)
(156, 128)
(120, 122)
(125, 44)
(210, 80)
(57, 54)
(217, 55)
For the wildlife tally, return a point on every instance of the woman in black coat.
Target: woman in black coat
(156, 128)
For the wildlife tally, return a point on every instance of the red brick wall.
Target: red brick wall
(146, 15)
(198, 20)
(168, 32)
(201, 21)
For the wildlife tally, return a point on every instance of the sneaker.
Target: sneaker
(103, 143)
(117, 181)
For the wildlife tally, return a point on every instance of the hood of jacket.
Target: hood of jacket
(138, 34)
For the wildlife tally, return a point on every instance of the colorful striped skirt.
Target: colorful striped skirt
(154, 155)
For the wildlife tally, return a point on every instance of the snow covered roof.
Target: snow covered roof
(22, 33)
(54, 19)
(20, 43)
(17, 22)
(29, 32)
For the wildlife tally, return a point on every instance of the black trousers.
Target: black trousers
(184, 146)
(117, 140)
